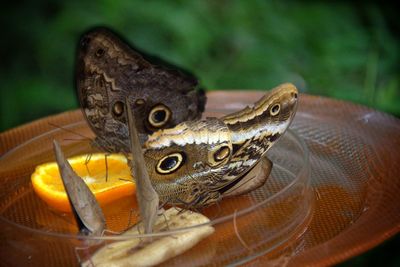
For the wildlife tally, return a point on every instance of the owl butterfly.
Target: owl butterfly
(108, 71)
(196, 163)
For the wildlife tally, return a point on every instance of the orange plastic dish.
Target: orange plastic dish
(48, 185)
(354, 168)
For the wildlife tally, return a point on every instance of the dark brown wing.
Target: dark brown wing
(109, 71)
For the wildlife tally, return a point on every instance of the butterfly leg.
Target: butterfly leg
(189, 205)
(87, 160)
(106, 162)
(86, 255)
(143, 241)
(165, 220)
(131, 214)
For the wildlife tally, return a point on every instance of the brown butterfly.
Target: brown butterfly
(108, 71)
(196, 163)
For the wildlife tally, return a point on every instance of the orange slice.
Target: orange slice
(48, 185)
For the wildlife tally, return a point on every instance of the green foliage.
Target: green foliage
(336, 49)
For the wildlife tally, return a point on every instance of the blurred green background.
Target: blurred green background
(345, 50)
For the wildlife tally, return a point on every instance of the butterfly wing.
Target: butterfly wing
(88, 214)
(146, 195)
(255, 178)
(108, 71)
(198, 162)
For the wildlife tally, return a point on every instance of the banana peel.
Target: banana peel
(137, 252)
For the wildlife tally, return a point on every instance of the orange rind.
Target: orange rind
(93, 169)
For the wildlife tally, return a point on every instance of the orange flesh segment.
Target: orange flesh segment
(48, 185)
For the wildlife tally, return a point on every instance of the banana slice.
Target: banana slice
(151, 252)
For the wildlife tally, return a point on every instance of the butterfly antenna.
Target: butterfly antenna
(87, 160)
(70, 131)
(73, 139)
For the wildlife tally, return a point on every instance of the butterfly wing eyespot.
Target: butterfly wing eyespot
(170, 163)
(222, 153)
(139, 102)
(219, 155)
(100, 52)
(118, 108)
(159, 116)
(275, 109)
